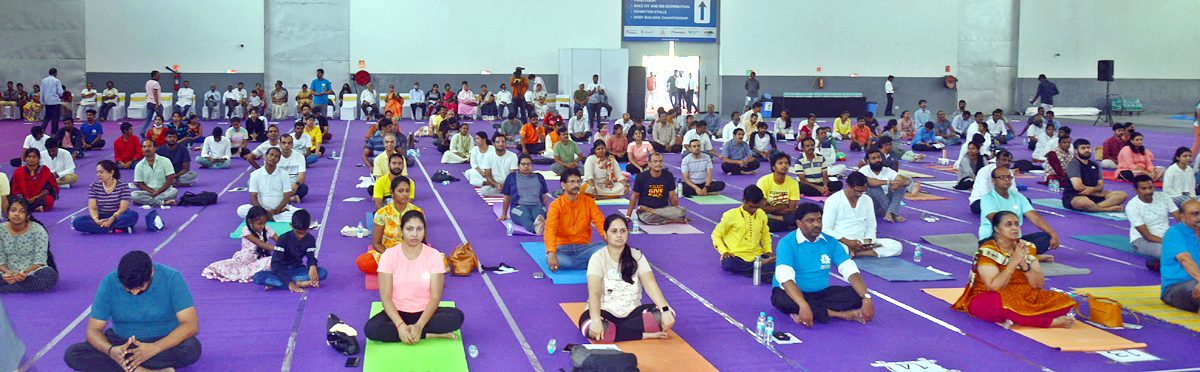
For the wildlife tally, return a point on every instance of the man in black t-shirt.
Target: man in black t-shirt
(654, 197)
(1085, 190)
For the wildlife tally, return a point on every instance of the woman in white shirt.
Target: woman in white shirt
(1179, 183)
(474, 175)
(616, 277)
(215, 151)
(603, 174)
(784, 131)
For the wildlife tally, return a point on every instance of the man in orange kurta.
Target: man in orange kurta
(568, 239)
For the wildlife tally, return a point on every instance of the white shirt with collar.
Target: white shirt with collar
(216, 149)
(367, 96)
(504, 97)
(842, 221)
(984, 185)
(231, 94)
(88, 101)
(242, 93)
(578, 124)
(887, 87)
(185, 97)
(61, 165)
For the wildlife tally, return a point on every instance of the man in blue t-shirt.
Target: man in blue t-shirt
(321, 89)
(93, 132)
(1180, 249)
(802, 263)
(153, 319)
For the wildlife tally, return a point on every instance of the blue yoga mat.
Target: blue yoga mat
(1118, 242)
(14, 349)
(1057, 204)
(894, 269)
(279, 227)
(537, 251)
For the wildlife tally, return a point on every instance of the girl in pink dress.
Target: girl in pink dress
(254, 256)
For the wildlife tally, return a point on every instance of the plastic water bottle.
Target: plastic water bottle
(446, 182)
(73, 219)
(359, 232)
(770, 330)
(636, 229)
(1054, 187)
(761, 326)
(473, 351)
(917, 253)
(508, 227)
(552, 346)
(757, 270)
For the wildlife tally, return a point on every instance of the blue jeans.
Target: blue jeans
(309, 160)
(151, 110)
(301, 191)
(524, 215)
(208, 164)
(576, 256)
(183, 110)
(299, 274)
(84, 224)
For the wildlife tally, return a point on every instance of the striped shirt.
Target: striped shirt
(108, 203)
(811, 169)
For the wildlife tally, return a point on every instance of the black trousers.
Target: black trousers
(444, 320)
(520, 107)
(415, 112)
(104, 109)
(593, 115)
(689, 97)
(1025, 165)
(836, 298)
(924, 147)
(50, 115)
(975, 207)
(738, 169)
(658, 147)
(834, 186)
(84, 357)
(714, 187)
(788, 223)
(888, 110)
(964, 184)
(628, 328)
(534, 148)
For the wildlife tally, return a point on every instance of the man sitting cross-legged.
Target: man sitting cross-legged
(1149, 219)
(742, 236)
(736, 155)
(805, 257)
(697, 173)
(155, 178)
(1084, 191)
(1005, 198)
(270, 188)
(887, 187)
(849, 217)
(782, 193)
(568, 237)
(814, 171)
(654, 199)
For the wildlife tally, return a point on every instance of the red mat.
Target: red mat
(1112, 176)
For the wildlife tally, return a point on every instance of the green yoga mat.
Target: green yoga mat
(429, 355)
(968, 244)
(279, 227)
(617, 201)
(1057, 204)
(717, 199)
(1118, 242)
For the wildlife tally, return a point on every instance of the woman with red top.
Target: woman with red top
(1135, 159)
(35, 182)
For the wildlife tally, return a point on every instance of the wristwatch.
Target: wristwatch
(866, 296)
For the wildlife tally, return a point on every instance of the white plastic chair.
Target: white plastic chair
(118, 112)
(137, 106)
(349, 107)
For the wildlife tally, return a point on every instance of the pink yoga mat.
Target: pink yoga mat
(670, 228)
(517, 229)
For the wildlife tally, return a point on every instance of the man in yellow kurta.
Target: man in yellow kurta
(742, 236)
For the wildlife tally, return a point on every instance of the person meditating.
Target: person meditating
(1135, 159)
(568, 238)
(617, 276)
(108, 203)
(654, 198)
(154, 323)
(782, 192)
(385, 232)
(270, 188)
(638, 150)
(602, 174)
(291, 248)
(743, 236)
(460, 146)
(180, 160)
(525, 197)
(814, 171)
(1005, 286)
(1004, 198)
(24, 252)
(411, 279)
(801, 285)
(254, 255)
(216, 151)
(849, 217)
(155, 178)
(697, 173)
(34, 183)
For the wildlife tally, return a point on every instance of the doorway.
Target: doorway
(659, 70)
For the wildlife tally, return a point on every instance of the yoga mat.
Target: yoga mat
(537, 251)
(490, 200)
(517, 228)
(894, 269)
(968, 244)
(548, 175)
(431, 354)
(1112, 176)
(1080, 337)
(1145, 300)
(923, 196)
(670, 228)
(943, 168)
(716, 199)
(1057, 204)
(614, 201)
(14, 349)
(818, 199)
(371, 282)
(670, 354)
(911, 174)
(279, 227)
(942, 184)
(1118, 242)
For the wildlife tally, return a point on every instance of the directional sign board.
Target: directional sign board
(670, 20)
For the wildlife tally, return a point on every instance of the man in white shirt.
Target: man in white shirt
(292, 163)
(271, 189)
(212, 100)
(416, 101)
(366, 102)
(1000, 129)
(1045, 137)
(887, 187)
(578, 127)
(244, 96)
(60, 163)
(890, 91)
(303, 141)
(261, 151)
(108, 100)
(690, 95)
(231, 99)
(1148, 218)
(87, 99)
(735, 121)
(535, 81)
(215, 153)
(595, 92)
(700, 133)
(681, 85)
(497, 165)
(983, 179)
(849, 217)
(504, 100)
(185, 98)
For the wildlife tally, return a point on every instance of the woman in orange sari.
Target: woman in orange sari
(395, 103)
(1006, 285)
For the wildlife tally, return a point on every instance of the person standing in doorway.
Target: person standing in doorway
(681, 85)
(671, 89)
(752, 89)
(321, 90)
(690, 95)
(891, 92)
(1046, 90)
(52, 91)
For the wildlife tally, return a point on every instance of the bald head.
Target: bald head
(1189, 211)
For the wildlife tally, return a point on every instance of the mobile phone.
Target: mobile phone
(780, 336)
(352, 362)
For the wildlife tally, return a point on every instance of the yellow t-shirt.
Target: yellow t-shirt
(317, 137)
(777, 194)
(389, 218)
(383, 188)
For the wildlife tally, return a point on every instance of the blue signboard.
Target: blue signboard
(670, 20)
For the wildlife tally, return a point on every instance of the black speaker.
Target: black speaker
(1104, 70)
(636, 101)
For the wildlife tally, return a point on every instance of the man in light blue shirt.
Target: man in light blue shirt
(1004, 198)
(803, 261)
(711, 117)
(322, 89)
(922, 115)
(416, 99)
(52, 92)
(924, 139)
(961, 123)
(1178, 266)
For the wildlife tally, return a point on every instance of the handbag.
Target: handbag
(463, 260)
(602, 360)
(1107, 312)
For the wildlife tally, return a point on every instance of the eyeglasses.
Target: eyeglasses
(1005, 177)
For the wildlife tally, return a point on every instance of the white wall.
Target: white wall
(200, 36)
(912, 38)
(1146, 39)
(469, 36)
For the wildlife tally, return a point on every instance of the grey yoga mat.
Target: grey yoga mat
(968, 244)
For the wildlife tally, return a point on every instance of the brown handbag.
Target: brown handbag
(1106, 311)
(463, 260)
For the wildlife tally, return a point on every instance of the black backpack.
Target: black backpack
(442, 175)
(602, 360)
(203, 198)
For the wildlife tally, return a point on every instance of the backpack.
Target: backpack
(442, 175)
(602, 360)
(203, 198)
(153, 222)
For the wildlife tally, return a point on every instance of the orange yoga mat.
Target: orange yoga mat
(671, 354)
(1080, 337)
(923, 196)
(943, 168)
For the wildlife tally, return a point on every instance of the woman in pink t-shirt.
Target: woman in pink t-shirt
(410, 284)
(638, 152)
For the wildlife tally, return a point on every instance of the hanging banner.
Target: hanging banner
(670, 20)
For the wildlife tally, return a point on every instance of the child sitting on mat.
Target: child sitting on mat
(616, 277)
(286, 267)
(255, 255)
